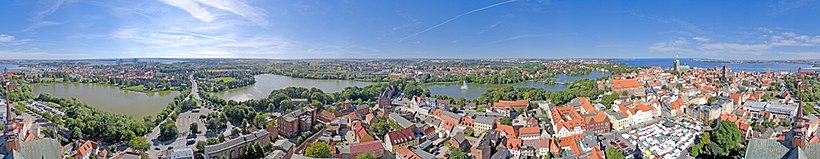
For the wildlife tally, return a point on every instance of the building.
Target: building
(374, 147)
(529, 133)
(628, 85)
(299, 120)
(510, 105)
(566, 121)
(618, 121)
(400, 138)
(406, 153)
(705, 113)
(483, 124)
(486, 147)
(361, 133)
(794, 145)
(597, 122)
(637, 112)
(86, 150)
(234, 148)
(184, 153)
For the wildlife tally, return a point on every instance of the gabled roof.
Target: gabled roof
(401, 136)
(366, 147)
(530, 131)
(627, 83)
(509, 130)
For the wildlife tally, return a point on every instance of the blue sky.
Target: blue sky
(765, 29)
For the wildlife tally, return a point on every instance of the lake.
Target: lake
(748, 67)
(475, 90)
(265, 83)
(11, 67)
(111, 99)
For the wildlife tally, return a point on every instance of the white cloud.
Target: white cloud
(517, 37)
(6, 38)
(733, 47)
(240, 8)
(671, 46)
(701, 39)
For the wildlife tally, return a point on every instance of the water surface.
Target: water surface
(265, 83)
(111, 99)
(475, 90)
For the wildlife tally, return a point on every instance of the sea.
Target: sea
(747, 67)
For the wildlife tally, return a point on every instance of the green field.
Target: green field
(225, 79)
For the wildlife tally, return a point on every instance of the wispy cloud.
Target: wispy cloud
(455, 18)
(41, 10)
(772, 41)
(240, 8)
(6, 38)
(784, 6)
(677, 45)
(701, 39)
(518, 37)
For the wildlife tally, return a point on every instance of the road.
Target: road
(183, 123)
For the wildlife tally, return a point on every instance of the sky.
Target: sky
(277, 29)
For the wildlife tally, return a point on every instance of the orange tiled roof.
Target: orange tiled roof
(509, 130)
(627, 83)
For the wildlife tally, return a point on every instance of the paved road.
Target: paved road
(183, 124)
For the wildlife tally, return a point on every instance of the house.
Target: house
(597, 121)
(627, 85)
(400, 138)
(566, 121)
(618, 121)
(460, 141)
(361, 133)
(374, 147)
(86, 150)
(637, 112)
(514, 147)
(487, 146)
(510, 105)
(529, 133)
(483, 124)
(406, 153)
(506, 130)
(299, 120)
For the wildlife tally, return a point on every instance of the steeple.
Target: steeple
(799, 126)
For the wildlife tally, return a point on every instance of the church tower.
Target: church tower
(800, 124)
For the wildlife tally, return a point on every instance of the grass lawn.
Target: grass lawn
(138, 88)
(225, 79)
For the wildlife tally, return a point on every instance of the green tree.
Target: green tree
(194, 128)
(457, 153)
(168, 130)
(613, 153)
(318, 150)
(727, 135)
(469, 131)
(366, 155)
(139, 143)
(253, 150)
(506, 121)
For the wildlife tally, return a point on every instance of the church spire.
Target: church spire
(800, 123)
